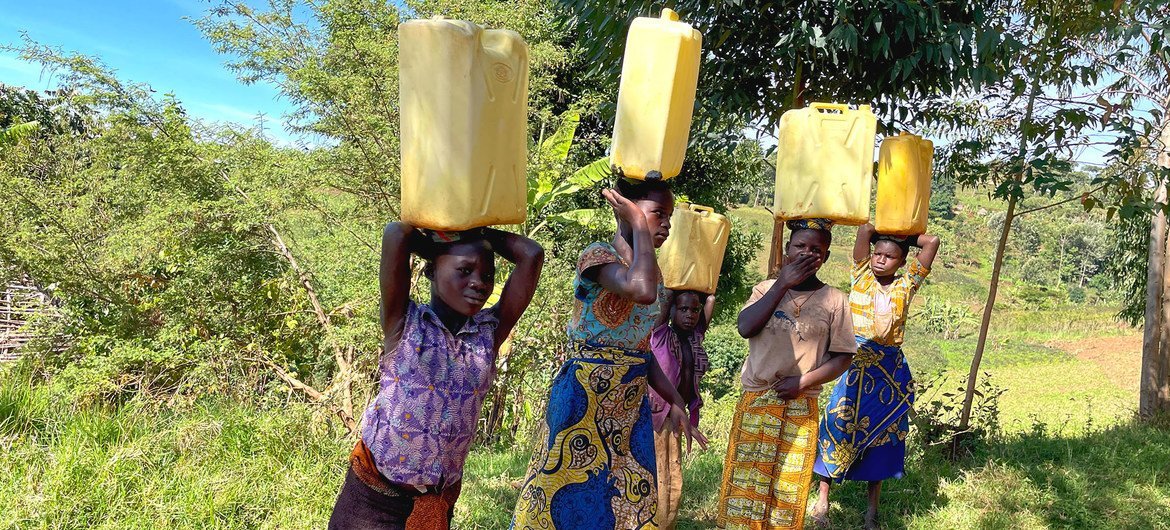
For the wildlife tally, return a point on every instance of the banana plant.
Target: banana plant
(18, 132)
(549, 183)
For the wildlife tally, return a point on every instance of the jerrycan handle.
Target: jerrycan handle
(703, 211)
(829, 106)
(669, 14)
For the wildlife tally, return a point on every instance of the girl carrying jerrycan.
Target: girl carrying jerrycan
(594, 465)
(438, 363)
(863, 433)
(800, 336)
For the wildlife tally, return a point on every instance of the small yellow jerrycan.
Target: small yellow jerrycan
(824, 163)
(903, 188)
(463, 93)
(656, 98)
(691, 257)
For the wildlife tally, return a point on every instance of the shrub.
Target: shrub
(727, 351)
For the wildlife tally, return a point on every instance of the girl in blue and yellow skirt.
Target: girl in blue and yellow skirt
(863, 432)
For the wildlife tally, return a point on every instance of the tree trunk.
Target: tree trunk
(985, 325)
(1155, 384)
(993, 289)
(1153, 394)
(776, 258)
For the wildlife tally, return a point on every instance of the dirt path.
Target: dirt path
(1119, 357)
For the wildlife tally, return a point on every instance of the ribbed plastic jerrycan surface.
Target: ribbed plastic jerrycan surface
(691, 257)
(824, 165)
(656, 98)
(903, 188)
(463, 93)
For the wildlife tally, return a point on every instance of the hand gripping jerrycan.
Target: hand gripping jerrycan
(656, 98)
(691, 257)
(903, 186)
(824, 165)
(463, 93)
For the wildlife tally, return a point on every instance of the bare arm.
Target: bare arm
(677, 417)
(929, 245)
(832, 369)
(861, 247)
(398, 240)
(661, 384)
(753, 318)
(528, 256)
(708, 313)
(639, 281)
(667, 308)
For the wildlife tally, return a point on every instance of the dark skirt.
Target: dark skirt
(360, 507)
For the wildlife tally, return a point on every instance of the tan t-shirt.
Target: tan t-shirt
(793, 345)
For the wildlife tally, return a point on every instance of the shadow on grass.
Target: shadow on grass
(1113, 478)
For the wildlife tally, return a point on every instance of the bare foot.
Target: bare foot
(820, 515)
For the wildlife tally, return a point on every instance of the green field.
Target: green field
(1063, 451)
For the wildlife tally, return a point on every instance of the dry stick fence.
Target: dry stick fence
(19, 302)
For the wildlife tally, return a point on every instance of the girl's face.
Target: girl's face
(813, 242)
(687, 308)
(886, 259)
(463, 277)
(658, 206)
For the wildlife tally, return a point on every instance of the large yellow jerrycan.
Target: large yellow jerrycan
(824, 165)
(903, 188)
(656, 98)
(691, 257)
(463, 93)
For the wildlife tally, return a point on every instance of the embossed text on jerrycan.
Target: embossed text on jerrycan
(656, 98)
(903, 187)
(463, 93)
(692, 255)
(824, 165)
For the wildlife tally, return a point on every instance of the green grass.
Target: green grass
(1066, 460)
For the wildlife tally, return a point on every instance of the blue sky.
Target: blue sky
(144, 41)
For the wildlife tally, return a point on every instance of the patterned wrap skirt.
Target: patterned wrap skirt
(594, 465)
(863, 433)
(768, 467)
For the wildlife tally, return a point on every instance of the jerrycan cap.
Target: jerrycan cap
(669, 14)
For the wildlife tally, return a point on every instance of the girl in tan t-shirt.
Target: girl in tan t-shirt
(800, 336)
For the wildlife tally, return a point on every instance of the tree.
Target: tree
(1142, 69)
(1045, 109)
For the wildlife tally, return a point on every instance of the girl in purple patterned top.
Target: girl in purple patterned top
(439, 361)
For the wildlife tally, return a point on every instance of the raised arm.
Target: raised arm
(639, 281)
(398, 241)
(667, 309)
(708, 313)
(528, 256)
(862, 246)
(753, 318)
(928, 244)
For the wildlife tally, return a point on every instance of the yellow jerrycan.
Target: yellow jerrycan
(463, 93)
(656, 97)
(903, 187)
(691, 257)
(824, 163)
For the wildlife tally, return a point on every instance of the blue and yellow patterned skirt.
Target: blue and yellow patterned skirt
(863, 433)
(594, 466)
